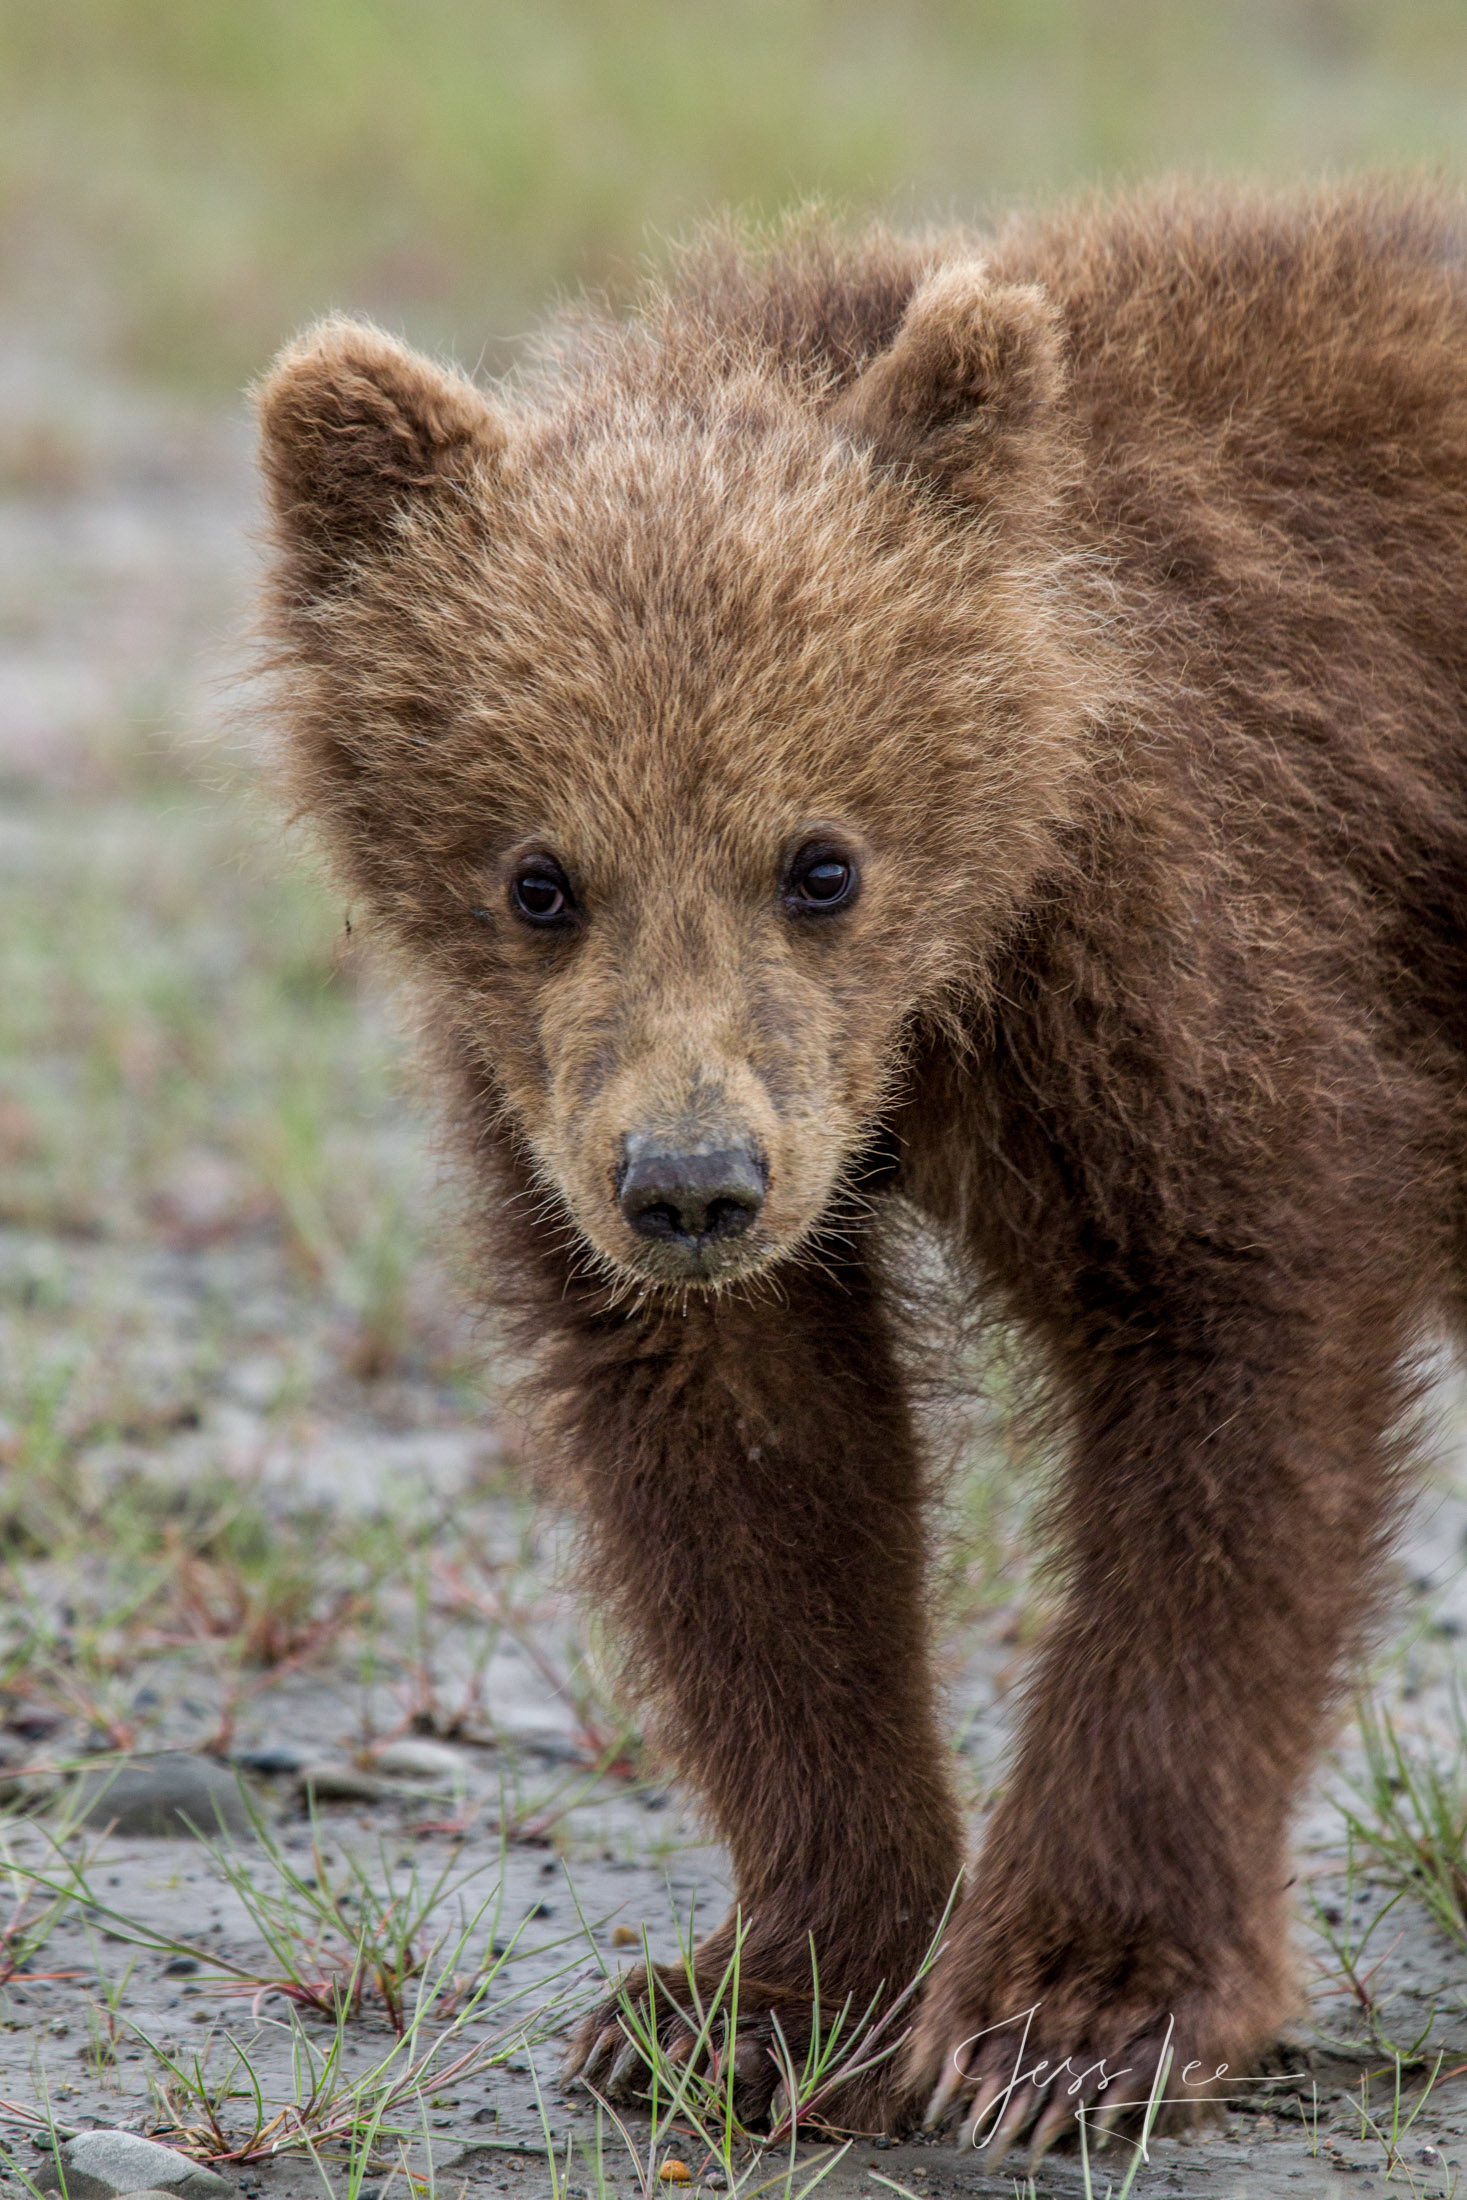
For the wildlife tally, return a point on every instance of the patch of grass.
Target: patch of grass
(412, 1950)
(1409, 1815)
(123, 1571)
(124, 1590)
(692, 2103)
(188, 1049)
(29, 1913)
(107, 2028)
(210, 1177)
(331, 2106)
(267, 1606)
(473, 1584)
(343, 1942)
(347, 1942)
(1349, 1929)
(1391, 2128)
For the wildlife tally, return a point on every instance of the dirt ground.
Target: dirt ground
(260, 1508)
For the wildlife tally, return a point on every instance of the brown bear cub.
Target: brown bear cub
(972, 729)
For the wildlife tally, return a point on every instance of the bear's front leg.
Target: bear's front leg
(1128, 1909)
(748, 1472)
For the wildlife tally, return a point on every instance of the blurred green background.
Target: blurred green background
(183, 181)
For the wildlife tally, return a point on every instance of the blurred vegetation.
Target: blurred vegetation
(187, 1059)
(182, 181)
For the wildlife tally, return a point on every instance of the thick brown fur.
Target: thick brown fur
(1099, 590)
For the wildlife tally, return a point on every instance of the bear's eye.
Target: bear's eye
(821, 878)
(540, 894)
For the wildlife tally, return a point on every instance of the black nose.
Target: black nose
(667, 1192)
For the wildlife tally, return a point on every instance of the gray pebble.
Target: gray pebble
(273, 1760)
(100, 2165)
(171, 1793)
(410, 1758)
(331, 1780)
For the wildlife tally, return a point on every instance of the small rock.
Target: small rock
(172, 1793)
(331, 1781)
(271, 1762)
(34, 1726)
(410, 1758)
(180, 1966)
(99, 2165)
(529, 1731)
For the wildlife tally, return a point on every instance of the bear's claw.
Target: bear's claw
(608, 2056)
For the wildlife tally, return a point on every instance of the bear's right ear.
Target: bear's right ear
(965, 392)
(355, 429)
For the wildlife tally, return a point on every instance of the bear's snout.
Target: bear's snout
(688, 1195)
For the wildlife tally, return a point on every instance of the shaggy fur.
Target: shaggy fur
(1096, 593)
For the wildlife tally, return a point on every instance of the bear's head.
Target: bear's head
(692, 728)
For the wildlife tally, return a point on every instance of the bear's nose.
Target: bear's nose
(689, 1195)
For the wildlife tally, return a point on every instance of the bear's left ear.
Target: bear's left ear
(356, 430)
(964, 392)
